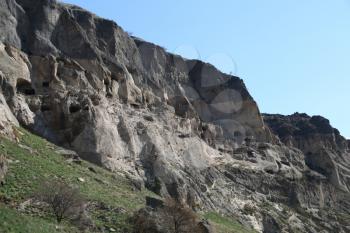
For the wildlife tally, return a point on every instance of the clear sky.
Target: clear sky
(294, 55)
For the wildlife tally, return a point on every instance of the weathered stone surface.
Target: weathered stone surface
(7, 119)
(3, 169)
(326, 151)
(178, 127)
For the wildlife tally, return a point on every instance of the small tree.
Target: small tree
(180, 218)
(64, 201)
(144, 222)
(172, 217)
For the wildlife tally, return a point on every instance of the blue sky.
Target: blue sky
(294, 55)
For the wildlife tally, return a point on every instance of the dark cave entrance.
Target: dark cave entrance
(74, 108)
(25, 87)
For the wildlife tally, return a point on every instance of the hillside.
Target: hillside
(151, 120)
(112, 197)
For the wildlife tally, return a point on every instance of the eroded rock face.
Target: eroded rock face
(79, 65)
(7, 119)
(180, 127)
(326, 151)
(11, 64)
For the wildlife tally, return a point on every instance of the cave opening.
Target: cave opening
(74, 108)
(45, 108)
(25, 87)
(46, 84)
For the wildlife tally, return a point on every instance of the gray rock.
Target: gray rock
(270, 225)
(154, 202)
(206, 227)
(3, 169)
(179, 127)
(66, 153)
(326, 151)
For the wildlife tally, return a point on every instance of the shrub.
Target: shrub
(144, 222)
(179, 217)
(249, 209)
(172, 217)
(64, 201)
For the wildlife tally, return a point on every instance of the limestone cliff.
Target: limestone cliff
(180, 126)
(325, 150)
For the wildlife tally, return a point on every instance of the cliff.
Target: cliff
(325, 150)
(181, 127)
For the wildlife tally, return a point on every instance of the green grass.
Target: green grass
(13, 222)
(116, 193)
(28, 170)
(226, 224)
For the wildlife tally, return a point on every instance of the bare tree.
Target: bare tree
(181, 218)
(144, 222)
(64, 201)
(171, 217)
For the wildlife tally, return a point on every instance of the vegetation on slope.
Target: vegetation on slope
(13, 221)
(34, 160)
(112, 198)
(226, 225)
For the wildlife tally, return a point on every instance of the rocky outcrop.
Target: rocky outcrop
(71, 49)
(326, 151)
(7, 120)
(179, 127)
(8, 67)
(77, 66)
(3, 169)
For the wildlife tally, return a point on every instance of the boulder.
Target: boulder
(206, 227)
(270, 224)
(3, 169)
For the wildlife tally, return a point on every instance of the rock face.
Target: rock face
(3, 169)
(179, 127)
(7, 68)
(325, 150)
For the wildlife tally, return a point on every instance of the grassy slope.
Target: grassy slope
(27, 170)
(226, 225)
(14, 222)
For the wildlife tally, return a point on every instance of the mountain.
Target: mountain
(180, 127)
